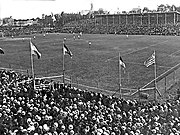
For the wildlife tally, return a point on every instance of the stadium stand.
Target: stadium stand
(9, 31)
(158, 23)
(91, 28)
(54, 109)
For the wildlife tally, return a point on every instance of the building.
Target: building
(8, 21)
(150, 18)
(25, 22)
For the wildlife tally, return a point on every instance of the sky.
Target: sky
(25, 9)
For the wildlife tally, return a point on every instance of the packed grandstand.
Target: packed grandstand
(55, 109)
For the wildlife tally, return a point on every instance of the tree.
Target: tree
(62, 13)
(173, 8)
(178, 9)
(145, 10)
(101, 11)
(58, 20)
(161, 8)
(124, 12)
(168, 8)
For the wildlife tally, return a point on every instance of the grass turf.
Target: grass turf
(96, 65)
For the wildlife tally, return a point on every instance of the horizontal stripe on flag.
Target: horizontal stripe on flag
(1, 51)
(122, 63)
(150, 60)
(66, 50)
(34, 50)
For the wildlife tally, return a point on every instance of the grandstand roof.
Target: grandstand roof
(170, 12)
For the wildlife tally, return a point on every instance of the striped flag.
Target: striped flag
(34, 50)
(66, 50)
(1, 51)
(150, 60)
(122, 63)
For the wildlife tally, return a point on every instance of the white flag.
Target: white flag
(150, 60)
(34, 50)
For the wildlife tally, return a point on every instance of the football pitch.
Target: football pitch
(95, 65)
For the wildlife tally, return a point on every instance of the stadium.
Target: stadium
(110, 74)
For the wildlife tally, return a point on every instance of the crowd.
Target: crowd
(10, 31)
(55, 109)
(85, 26)
(89, 26)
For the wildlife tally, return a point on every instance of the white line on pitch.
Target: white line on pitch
(174, 53)
(136, 50)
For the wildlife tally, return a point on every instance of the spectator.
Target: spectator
(72, 111)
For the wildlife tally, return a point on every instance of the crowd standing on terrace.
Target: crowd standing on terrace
(55, 109)
(17, 31)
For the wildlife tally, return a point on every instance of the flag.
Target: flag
(150, 60)
(1, 51)
(34, 50)
(122, 63)
(67, 51)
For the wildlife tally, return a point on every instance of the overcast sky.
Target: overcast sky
(24, 9)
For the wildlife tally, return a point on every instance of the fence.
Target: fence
(23, 71)
(167, 85)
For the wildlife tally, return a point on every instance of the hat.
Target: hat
(22, 102)
(63, 127)
(55, 133)
(123, 128)
(99, 131)
(71, 132)
(60, 121)
(75, 117)
(154, 131)
(12, 98)
(8, 110)
(31, 128)
(23, 112)
(45, 127)
(131, 133)
(113, 133)
(19, 98)
(28, 120)
(61, 133)
(70, 127)
(56, 124)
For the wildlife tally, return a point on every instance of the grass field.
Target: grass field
(97, 65)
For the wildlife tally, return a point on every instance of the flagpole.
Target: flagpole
(32, 67)
(63, 61)
(155, 76)
(120, 77)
